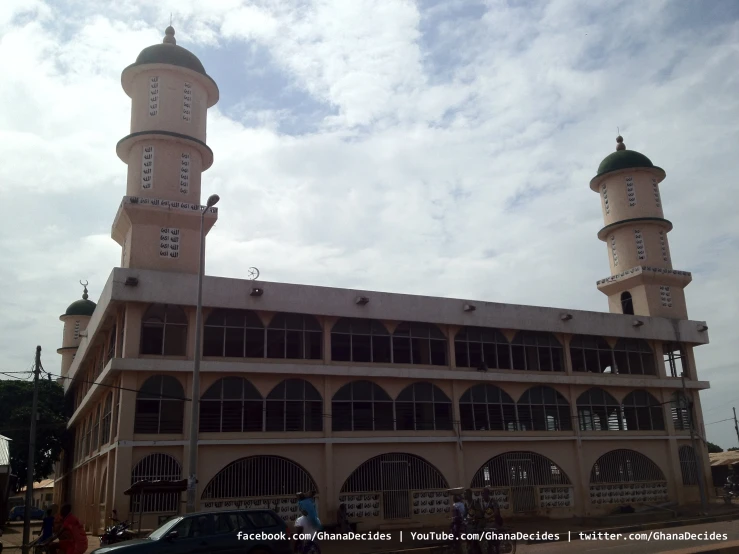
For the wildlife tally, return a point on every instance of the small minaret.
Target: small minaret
(642, 280)
(158, 222)
(75, 321)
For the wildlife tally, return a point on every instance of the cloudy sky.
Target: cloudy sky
(440, 148)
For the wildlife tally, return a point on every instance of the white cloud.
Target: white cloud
(457, 162)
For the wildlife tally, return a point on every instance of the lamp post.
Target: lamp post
(195, 406)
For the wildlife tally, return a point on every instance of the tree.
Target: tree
(16, 400)
(732, 449)
(713, 448)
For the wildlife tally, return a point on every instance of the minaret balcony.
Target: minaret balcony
(644, 275)
(123, 148)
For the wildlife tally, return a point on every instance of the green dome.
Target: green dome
(81, 307)
(170, 54)
(623, 159)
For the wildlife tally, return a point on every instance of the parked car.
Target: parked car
(212, 532)
(19, 513)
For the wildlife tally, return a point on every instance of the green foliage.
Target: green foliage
(732, 449)
(713, 448)
(16, 400)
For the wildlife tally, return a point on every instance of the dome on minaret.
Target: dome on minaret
(81, 307)
(169, 53)
(623, 159)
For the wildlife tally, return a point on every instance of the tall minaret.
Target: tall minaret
(158, 222)
(75, 319)
(642, 280)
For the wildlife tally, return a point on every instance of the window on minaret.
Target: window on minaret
(185, 173)
(614, 252)
(665, 296)
(641, 252)
(604, 190)
(169, 242)
(153, 96)
(164, 331)
(147, 168)
(76, 330)
(663, 246)
(627, 304)
(187, 103)
(630, 192)
(655, 189)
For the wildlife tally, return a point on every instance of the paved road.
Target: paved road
(626, 546)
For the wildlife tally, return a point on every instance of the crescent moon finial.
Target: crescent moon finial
(84, 294)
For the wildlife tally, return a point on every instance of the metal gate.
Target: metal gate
(523, 492)
(396, 502)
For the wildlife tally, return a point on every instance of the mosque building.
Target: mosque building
(378, 401)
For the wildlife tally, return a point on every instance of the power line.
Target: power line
(721, 420)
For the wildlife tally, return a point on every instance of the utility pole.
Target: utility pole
(735, 425)
(31, 454)
(696, 452)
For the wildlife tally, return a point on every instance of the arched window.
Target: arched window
(360, 340)
(419, 343)
(591, 354)
(634, 356)
(487, 408)
(536, 352)
(599, 411)
(233, 334)
(627, 304)
(688, 465)
(107, 417)
(423, 407)
(543, 409)
(361, 406)
(519, 469)
(111, 345)
(231, 404)
(294, 405)
(88, 432)
(680, 408)
(96, 429)
(624, 466)
(159, 406)
(164, 331)
(642, 412)
(474, 346)
(156, 467)
(294, 336)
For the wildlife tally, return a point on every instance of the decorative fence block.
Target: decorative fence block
(431, 502)
(286, 508)
(625, 493)
(169, 242)
(360, 505)
(556, 497)
(501, 496)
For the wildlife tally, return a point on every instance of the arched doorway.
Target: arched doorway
(268, 482)
(626, 477)
(525, 482)
(101, 500)
(395, 486)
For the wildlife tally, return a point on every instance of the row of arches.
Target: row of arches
(233, 404)
(242, 334)
(394, 485)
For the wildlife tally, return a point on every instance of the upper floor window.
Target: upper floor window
(294, 336)
(627, 303)
(233, 334)
(543, 409)
(487, 408)
(591, 353)
(598, 411)
(475, 346)
(231, 404)
(536, 352)
(423, 407)
(360, 340)
(680, 409)
(362, 406)
(642, 412)
(419, 343)
(634, 356)
(294, 405)
(107, 417)
(96, 429)
(164, 330)
(675, 359)
(111, 345)
(159, 406)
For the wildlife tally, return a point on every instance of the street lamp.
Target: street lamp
(195, 406)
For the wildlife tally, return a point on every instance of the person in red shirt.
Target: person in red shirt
(72, 537)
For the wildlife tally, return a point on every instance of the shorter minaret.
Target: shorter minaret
(642, 280)
(75, 321)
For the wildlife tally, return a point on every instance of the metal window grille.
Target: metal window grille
(474, 346)
(423, 407)
(294, 405)
(164, 331)
(159, 406)
(623, 466)
(419, 343)
(487, 408)
(543, 409)
(294, 336)
(634, 356)
(519, 469)
(591, 354)
(675, 359)
(258, 477)
(362, 406)
(599, 411)
(680, 409)
(642, 412)
(234, 334)
(536, 352)
(688, 465)
(231, 404)
(156, 467)
(360, 340)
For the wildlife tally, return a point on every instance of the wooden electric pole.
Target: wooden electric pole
(736, 426)
(31, 455)
(698, 453)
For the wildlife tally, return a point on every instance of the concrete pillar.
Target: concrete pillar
(580, 481)
(457, 391)
(122, 481)
(330, 497)
(566, 338)
(659, 358)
